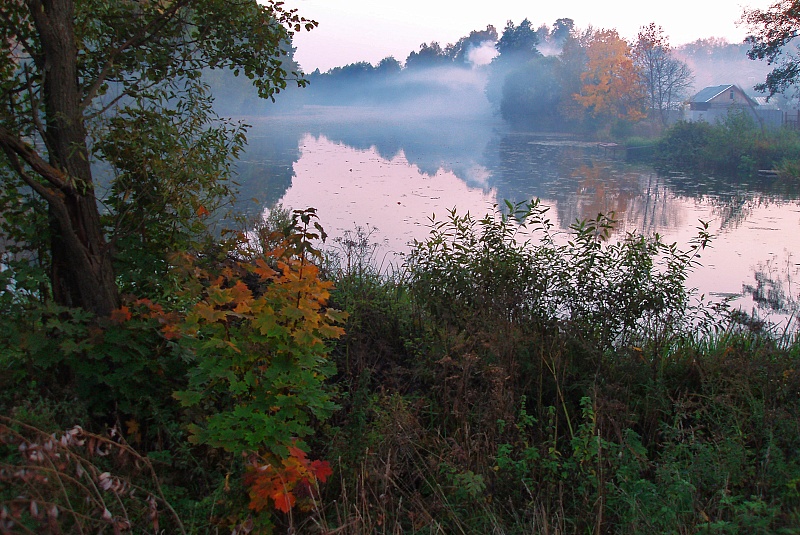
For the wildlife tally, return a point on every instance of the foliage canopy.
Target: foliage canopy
(773, 38)
(611, 85)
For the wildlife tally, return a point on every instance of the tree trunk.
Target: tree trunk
(82, 273)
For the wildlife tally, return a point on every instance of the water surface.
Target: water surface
(360, 168)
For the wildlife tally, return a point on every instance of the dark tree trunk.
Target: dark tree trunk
(82, 273)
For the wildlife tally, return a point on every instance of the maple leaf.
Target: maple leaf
(219, 296)
(284, 500)
(242, 308)
(321, 470)
(171, 332)
(298, 454)
(263, 270)
(208, 312)
(241, 293)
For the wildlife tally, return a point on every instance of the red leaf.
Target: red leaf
(171, 332)
(321, 470)
(298, 454)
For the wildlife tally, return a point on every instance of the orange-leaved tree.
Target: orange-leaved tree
(612, 87)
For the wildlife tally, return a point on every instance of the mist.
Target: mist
(717, 62)
(526, 78)
(482, 54)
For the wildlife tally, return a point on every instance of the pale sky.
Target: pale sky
(369, 30)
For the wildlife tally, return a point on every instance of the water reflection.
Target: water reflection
(363, 169)
(352, 187)
(775, 284)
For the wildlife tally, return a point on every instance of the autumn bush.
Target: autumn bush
(214, 389)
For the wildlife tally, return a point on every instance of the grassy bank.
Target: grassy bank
(736, 146)
(489, 385)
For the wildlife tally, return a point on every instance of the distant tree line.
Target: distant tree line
(590, 78)
(429, 55)
(547, 77)
(555, 77)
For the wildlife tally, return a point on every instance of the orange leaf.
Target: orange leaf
(241, 293)
(208, 313)
(263, 270)
(298, 454)
(284, 500)
(242, 308)
(171, 332)
(202, 211)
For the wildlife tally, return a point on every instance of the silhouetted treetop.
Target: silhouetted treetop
(519, 42)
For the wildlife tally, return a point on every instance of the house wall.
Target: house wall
(724, 99)
(711, 116)
(718, 108)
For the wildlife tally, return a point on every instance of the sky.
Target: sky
(369, 30)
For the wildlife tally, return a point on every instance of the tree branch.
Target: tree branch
(37, 121)
(48, 195)
(53, 175)
(138, 38)
(116, 99)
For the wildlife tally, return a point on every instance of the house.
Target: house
(715, 102)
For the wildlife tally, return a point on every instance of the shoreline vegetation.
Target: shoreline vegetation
(488, 386)
(734, 147)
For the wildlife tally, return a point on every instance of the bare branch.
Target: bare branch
(37, 121)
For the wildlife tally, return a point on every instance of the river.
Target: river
(391, 174)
